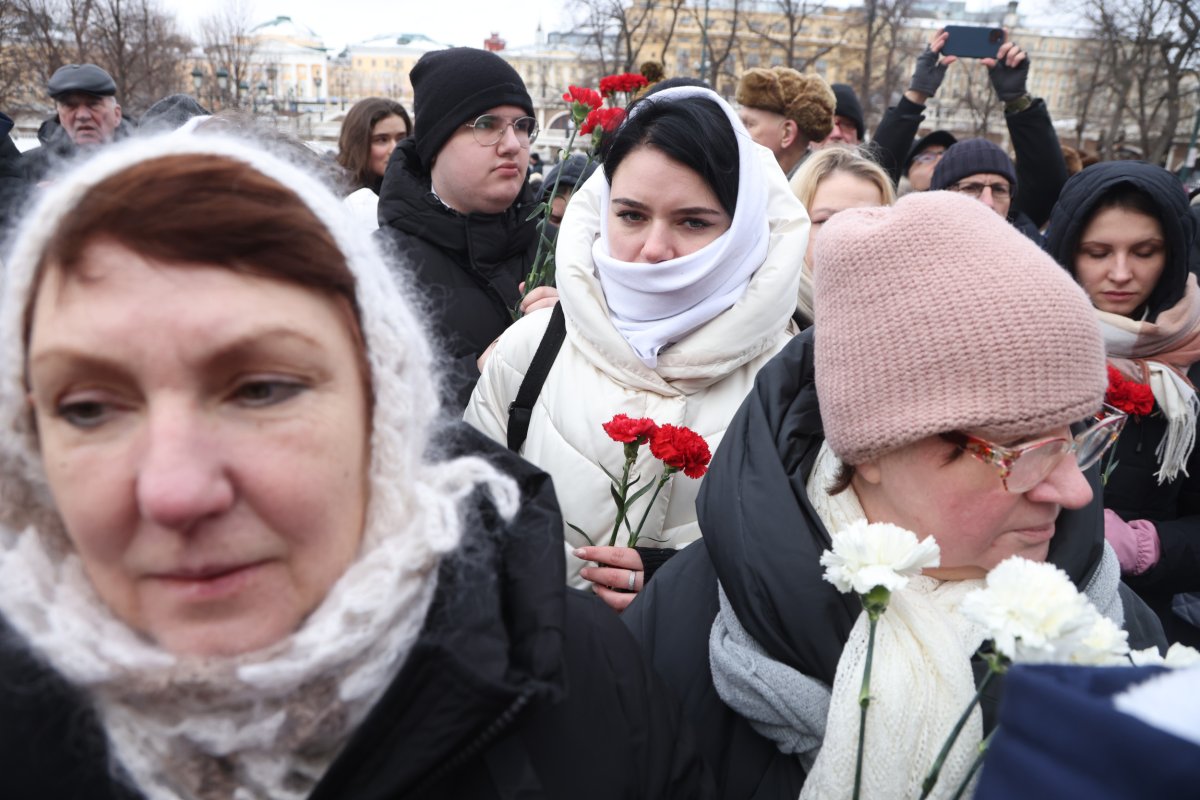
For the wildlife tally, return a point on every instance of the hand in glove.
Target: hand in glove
(1136, 543)
(1008, 71)
(930, 70)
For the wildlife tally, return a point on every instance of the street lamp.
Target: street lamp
(222, 78)
(197, 79)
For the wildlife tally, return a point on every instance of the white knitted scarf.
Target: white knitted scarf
(653, 305)
(921, 680)
(264, 725)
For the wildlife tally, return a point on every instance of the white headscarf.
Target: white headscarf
(274, 718)
(653, 305)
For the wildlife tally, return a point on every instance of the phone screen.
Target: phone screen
(968, 42)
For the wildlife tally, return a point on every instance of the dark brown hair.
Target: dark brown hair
(354, 143)
(208, 210)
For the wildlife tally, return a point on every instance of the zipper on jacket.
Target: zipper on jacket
(477, 746)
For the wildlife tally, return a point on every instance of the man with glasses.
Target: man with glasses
(1039, 160)
(924, 156)
(455, 203)
(979, 168)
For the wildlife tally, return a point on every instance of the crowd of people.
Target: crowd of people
(305, 494)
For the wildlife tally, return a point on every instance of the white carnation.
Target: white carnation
(1178, 655)
(1031, 610)
(1103, 644)
(866, 555)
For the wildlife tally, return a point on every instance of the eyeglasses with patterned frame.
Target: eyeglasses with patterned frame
(1022, 468)
(488, 129)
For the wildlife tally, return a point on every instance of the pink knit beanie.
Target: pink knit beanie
(936, 315)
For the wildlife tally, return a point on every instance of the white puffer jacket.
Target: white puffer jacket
(699, 381)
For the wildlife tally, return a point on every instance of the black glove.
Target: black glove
(928, 75)
(1009, 82)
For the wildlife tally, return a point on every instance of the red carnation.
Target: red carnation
(607, 119)
(682, 449)
(622, 428)
(588, 97)
(1129, 396)
(626, 82)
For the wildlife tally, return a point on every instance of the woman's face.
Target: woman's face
(205, 436)
(963, 504)
(386, 134)
(837, 192)
(1120, 258)
(659, 209)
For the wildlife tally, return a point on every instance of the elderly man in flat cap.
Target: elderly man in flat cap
(88, 115)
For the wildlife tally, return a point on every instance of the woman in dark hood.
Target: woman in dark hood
(1124, 231)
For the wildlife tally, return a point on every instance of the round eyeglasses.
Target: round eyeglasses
(488, 129)
(1022, 468)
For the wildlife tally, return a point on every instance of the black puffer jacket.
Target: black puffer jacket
(12, 176)
(763, 541)
(467, 265)
(517, 687)
(1133, 490)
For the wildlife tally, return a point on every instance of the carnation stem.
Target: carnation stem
(864, 699)
(537, 270)
(622, 494)
(662, 481)
(975, 765)
(931, 779)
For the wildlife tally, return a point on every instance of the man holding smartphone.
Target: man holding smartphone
(1040, 170)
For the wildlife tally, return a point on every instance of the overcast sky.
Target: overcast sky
(453, 22)
(342, 22)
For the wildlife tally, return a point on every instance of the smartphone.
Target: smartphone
(967, 42)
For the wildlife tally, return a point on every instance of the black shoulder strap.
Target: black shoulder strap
(521, 409)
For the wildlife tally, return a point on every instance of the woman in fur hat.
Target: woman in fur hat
(241, 556)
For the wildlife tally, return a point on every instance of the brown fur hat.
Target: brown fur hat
(807, 100)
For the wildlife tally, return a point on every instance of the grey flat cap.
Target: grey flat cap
(81, 78)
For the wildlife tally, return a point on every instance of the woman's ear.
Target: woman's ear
(869, 472)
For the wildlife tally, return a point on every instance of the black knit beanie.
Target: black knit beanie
(452, 87)
(848, 105)
(971, 157)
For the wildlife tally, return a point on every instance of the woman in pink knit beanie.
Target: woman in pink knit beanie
(952, 384)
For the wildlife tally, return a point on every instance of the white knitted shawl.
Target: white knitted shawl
(921, 680)
(265, 724)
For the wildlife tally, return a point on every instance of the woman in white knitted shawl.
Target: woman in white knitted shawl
(241, 557)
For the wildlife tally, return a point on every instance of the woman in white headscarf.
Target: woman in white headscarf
(241, 554)
(677, 270)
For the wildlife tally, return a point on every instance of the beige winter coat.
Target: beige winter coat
(699, 382)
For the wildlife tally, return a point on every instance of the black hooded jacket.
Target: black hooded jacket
(1133, 490)
(516, 688)
(468, 265)
(763, 541)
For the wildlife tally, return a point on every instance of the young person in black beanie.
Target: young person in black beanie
(455, 204)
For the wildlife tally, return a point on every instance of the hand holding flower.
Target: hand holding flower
(618, 576)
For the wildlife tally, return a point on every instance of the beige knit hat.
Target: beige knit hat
(807, 100)
(936, 315)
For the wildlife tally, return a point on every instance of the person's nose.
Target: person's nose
(986, 198)
(1065, 486)
(182, 474)
(509, 143)
(659, 245)
(1119, 271)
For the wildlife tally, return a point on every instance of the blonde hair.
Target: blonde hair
(823, 163)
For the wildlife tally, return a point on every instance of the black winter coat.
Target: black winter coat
(1041, 168)
(1132, 489)
(57, 149)
(763, 540)
(468, 266)
(517, 687)
(12, 175)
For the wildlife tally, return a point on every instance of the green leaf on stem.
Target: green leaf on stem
(582, 533)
